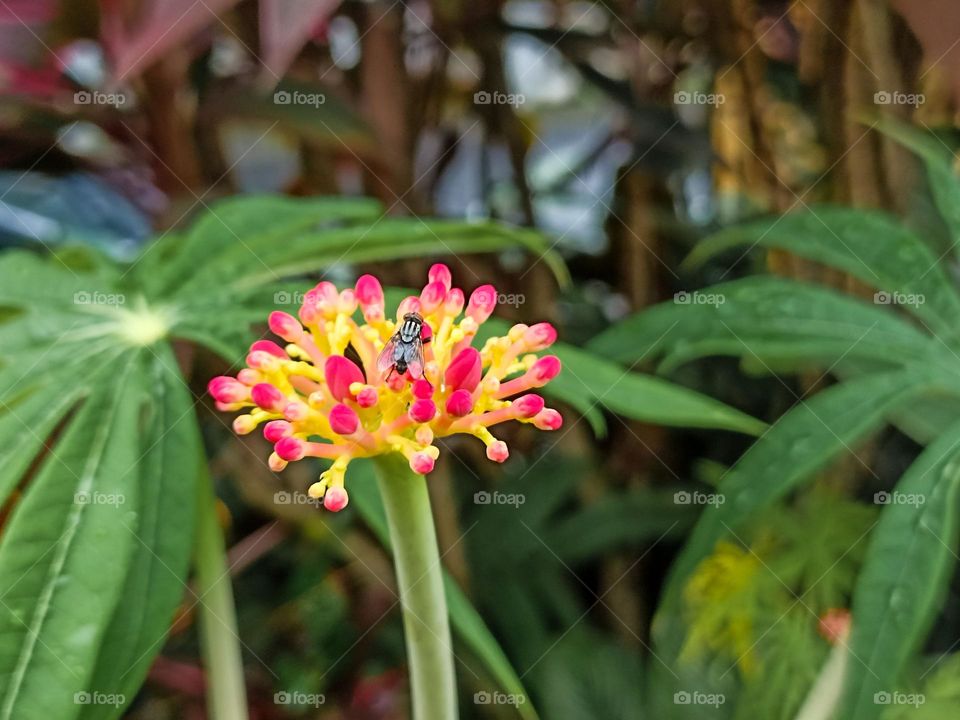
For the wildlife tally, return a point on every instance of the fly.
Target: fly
(404, 351)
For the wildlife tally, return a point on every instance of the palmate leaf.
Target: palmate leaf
(908, 565)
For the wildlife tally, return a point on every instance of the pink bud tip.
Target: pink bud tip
(274, 430)
(453, 305)
(497, 451)
(432, 296)
(268, 397)
(528, 405)
(285, 325)
(548, 419)
(459, 404)
(276, 463)
(228, 390)
(540, 336)
(464, 370)
(422, 389)
(325, 293)
(248, 377)
(440, 273)
(343, 420)
(409, 304)
(367, 397)
(340, 374)
(295, 411)
(546, 368)
(482, 302)
(421, 463)
(335, 499)
(426, 332)
(422, 411)
(368, 290)
(244, 425)
(268, 346)
(290, 448)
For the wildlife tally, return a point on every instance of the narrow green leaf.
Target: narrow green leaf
(908, 566)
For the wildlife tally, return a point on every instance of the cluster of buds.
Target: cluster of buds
(314, 401)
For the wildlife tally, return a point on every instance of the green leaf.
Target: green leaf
(466, 621)
(164, 538)
(908, 566)
(65, 552)
(767, 318)
(870, 245)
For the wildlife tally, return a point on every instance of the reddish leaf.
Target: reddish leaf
(286, 26)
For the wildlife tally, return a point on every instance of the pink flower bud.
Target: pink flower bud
(409, 304)
(244, 424)
(422, 410)
(290, 449)
(432, 297)
(335, 499)
(285, 325)
(539, 336)
(340, 374)
(464, 370)
(545, 369)
(367, 397)
(343, 420)
(268, 397)
(426, 332)
(248, 377)
(453, 305)
(528, 405)
(276, 463)
(548, 419)
(422, 389)
(323, 295)
(482, 302)
(421, 463)
(347, 302)
(459, 404)
(274, 430)
(497, 451)
(268, 346)
(295, 411)
(440, 273)
(228, 390)
(369, 294)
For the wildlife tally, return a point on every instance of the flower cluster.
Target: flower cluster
(314, 401)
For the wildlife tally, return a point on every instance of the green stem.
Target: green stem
(219, 641)
(420, 579)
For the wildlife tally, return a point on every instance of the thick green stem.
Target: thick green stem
(219, 641)
(420, 579)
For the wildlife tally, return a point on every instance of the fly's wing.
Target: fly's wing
(413, 354)
(386, 359)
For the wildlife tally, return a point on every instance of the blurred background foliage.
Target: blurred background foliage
(121, 121)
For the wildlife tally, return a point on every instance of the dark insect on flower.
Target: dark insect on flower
(404, 351)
